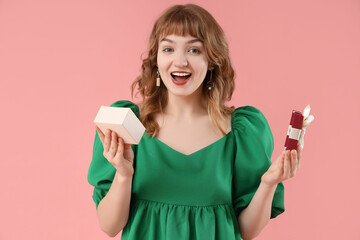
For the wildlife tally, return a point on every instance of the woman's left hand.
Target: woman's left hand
(284, 167)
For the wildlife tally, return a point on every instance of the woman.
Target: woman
(203, 170)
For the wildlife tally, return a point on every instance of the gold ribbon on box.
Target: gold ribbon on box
(306, 122)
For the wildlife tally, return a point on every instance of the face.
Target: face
(182, 63)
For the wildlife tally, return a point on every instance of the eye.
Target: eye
(167, 49)
(194, 50)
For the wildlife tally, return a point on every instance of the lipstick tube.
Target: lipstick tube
(294, 130)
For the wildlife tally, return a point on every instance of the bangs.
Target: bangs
(180, 24)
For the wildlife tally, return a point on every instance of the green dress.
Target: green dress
(195, 196)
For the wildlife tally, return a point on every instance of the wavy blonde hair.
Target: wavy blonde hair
(195, 21)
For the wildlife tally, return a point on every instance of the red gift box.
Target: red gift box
(294, 131)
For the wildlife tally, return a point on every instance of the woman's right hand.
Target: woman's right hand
(119, 154)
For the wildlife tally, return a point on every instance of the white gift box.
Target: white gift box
(123, 121)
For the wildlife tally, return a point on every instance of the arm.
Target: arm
(113, 209)
(257, 214)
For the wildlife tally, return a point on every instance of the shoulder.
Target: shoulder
(248, 117)
(127, 104)
(123, 103)
(252, 129)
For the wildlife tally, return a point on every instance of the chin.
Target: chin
(179, 93)
(183, 92)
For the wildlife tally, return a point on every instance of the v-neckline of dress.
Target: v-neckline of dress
(195, 152)
(201, 149)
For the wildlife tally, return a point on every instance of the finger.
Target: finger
(100, 133)
(114, 144)
(107, 140)
(293, 163)
(120, 149)
(299, 153)
(127, 146)
(290, 163)
(281, 163)
(278, 160)
(286, 165)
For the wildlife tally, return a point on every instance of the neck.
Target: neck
(186, 107)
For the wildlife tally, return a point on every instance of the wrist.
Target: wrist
(122, 178)
(268, 188)
(266, 183)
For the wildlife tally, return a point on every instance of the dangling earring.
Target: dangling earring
(158, 78)
(210, 84)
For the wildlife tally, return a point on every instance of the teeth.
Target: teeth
(181, 74)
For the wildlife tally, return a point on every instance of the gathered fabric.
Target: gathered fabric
(195, 196)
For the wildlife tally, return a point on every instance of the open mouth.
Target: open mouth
(180, 77)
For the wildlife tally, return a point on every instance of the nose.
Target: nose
(180, 59)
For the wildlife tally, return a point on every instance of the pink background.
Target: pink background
(61, 60)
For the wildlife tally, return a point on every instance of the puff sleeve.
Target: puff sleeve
(254, 146)
(101, 173)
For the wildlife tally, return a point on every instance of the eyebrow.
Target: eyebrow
(190, 41)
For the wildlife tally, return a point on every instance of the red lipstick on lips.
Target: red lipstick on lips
(179, 80)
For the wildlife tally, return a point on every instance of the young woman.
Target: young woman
(202, 170)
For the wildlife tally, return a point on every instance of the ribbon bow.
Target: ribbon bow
(306, 122)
